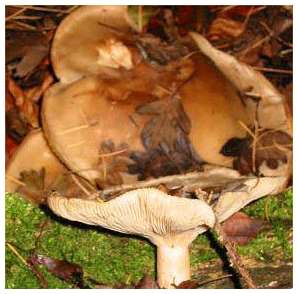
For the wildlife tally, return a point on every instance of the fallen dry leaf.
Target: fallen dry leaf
(189, 284)
(147, 283)
(10, 147)
(28, 109)
(29, 46)
(165, 137)
(64, 270)
(240, 228)
(272, 147)
(113, 161)
(223, 28)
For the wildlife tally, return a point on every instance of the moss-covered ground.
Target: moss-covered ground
(113, 259)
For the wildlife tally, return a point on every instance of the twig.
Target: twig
(254, 146)
(74, 129)
(12, 16)
(15, 180)
(24, 25)
(110, 154)
(140, 18)
(214, 280)
(77, 182)
(41, 230)
(38, 8)
(38, 274)
(235, 259)
(274, 70)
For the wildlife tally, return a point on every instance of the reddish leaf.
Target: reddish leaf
(10, 147)
(241, 228)
(64, 270)
(189, 284)
(147, 283)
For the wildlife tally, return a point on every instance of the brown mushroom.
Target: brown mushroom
(32, 154)
(82, 36)
(169, 222)
(34, 170)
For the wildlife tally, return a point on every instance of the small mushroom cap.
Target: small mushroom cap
(74, 50)
(146, 212)
(32, 154)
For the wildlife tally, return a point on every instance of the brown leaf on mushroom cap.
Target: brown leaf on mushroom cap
(34, 184)
(113, 163)
(33, 170)
(272, 148)
(240, 228)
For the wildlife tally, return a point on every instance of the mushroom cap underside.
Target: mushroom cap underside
(146, 212)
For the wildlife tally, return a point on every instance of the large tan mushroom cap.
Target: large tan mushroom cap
(145, 212)
(78, 117)
(32, 154)
(74, 50)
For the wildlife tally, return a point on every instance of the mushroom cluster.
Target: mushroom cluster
(129, 107)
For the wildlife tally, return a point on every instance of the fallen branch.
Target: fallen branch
(234, 257)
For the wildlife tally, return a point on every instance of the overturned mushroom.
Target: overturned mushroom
(171, 223)
(34, 169)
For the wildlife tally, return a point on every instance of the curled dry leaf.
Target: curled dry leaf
(240, 228)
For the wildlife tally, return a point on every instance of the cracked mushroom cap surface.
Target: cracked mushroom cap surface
(79, 37)
(145, 212)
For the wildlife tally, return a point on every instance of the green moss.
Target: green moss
(106, 257)
(275, 243)
(112, 258)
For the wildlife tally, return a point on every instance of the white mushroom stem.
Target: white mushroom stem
(173, 266)
(169, 222)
